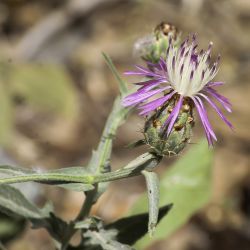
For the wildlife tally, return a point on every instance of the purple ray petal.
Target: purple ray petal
(149, 107)
(135, 73)
(163, 65)
(204, 112)
(184, 43)
(149, 81)
(213, 84)
(208, 136)
(141, 96)
(203, 120)
(148, 85)
(138, 73)
(215, 107)
(153, 66)
(147, 71)
(221, 99)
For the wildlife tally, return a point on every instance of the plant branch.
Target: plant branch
(84, 212)
(134, 168)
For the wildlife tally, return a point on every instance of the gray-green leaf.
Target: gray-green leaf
(12, 201)
(153, 187)
(122, 84)
(78, 187)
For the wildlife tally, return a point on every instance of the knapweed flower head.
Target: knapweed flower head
(184, 78)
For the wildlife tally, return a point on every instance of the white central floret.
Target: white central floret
(188, 70)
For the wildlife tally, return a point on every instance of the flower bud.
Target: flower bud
(152, 47)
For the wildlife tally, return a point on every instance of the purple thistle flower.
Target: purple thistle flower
(186, 76)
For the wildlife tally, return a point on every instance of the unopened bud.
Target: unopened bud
(152, 47)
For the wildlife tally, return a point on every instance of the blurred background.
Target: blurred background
(56, 92)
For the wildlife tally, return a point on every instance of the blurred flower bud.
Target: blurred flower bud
(152, 47)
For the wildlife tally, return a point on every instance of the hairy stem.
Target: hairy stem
(85, 210)
(134, 168)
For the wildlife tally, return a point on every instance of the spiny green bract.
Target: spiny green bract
(156, 138)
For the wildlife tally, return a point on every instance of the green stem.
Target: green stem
(134, 168)
(47, 178)
(85, 210)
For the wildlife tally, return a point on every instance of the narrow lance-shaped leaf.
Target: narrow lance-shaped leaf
(73, 178)
(153, 187)
(122, 84)
(12, 201)
(187, 185)
(6, 170)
